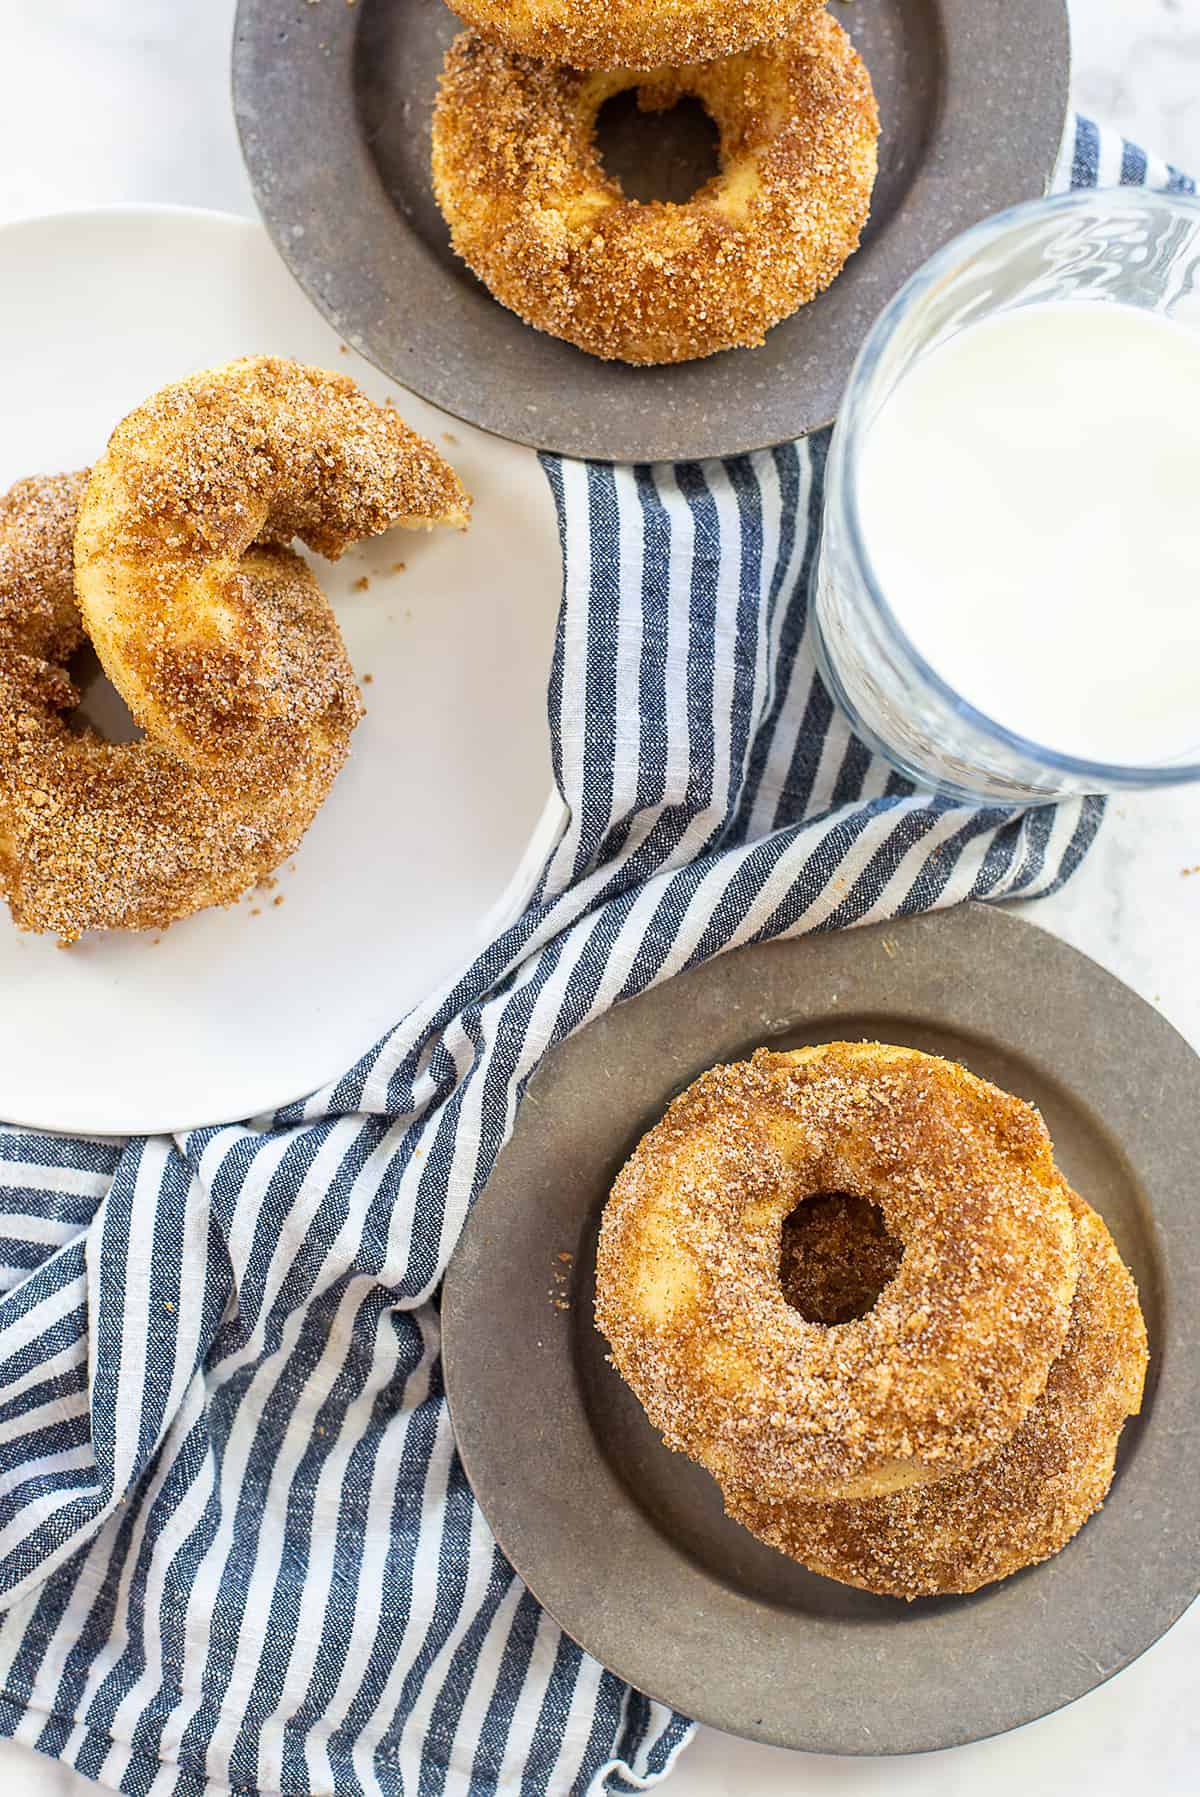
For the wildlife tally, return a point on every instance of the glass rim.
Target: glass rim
(848, 428)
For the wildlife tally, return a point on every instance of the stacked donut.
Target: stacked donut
(916, 1400)
(531, 210)
(171, 556)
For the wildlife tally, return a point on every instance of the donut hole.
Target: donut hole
(657, 155)
(835, 1257)
(101, 707)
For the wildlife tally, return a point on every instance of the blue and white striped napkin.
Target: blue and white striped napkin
(237, 1549)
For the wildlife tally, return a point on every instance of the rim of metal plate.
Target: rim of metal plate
(990, 139)
(626, 1545)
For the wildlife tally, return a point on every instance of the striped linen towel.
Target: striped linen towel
(237, 1549)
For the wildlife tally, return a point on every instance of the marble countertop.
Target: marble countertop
(103, 102)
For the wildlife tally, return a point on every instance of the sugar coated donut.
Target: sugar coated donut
(261, 450)
(948, 1361)
(1023, 1504)
(97, 835)
(532, 212)
(39, 615)
(631, 34)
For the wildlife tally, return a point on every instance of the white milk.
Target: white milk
(1030, 502)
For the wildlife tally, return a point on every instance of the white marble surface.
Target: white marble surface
(1137, 65)
(104, 101)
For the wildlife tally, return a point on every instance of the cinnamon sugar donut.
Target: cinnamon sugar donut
(39, 615)
(946, 1364)
(532, 212)
(261, 450)
(1023, 1504)
(97, 835)
(631, 34)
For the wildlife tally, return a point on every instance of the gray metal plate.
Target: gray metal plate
(627, 1545)
(334, 104)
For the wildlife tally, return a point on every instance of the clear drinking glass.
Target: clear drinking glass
(1121, 244)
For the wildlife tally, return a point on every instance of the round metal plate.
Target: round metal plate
(627, 1545)
(334, 105)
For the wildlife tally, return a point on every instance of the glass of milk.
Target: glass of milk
(1007, 600)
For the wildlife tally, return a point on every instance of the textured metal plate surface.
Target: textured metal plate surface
(627, 1545)
(334, 105)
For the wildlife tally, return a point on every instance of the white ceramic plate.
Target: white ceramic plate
(433, 828)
